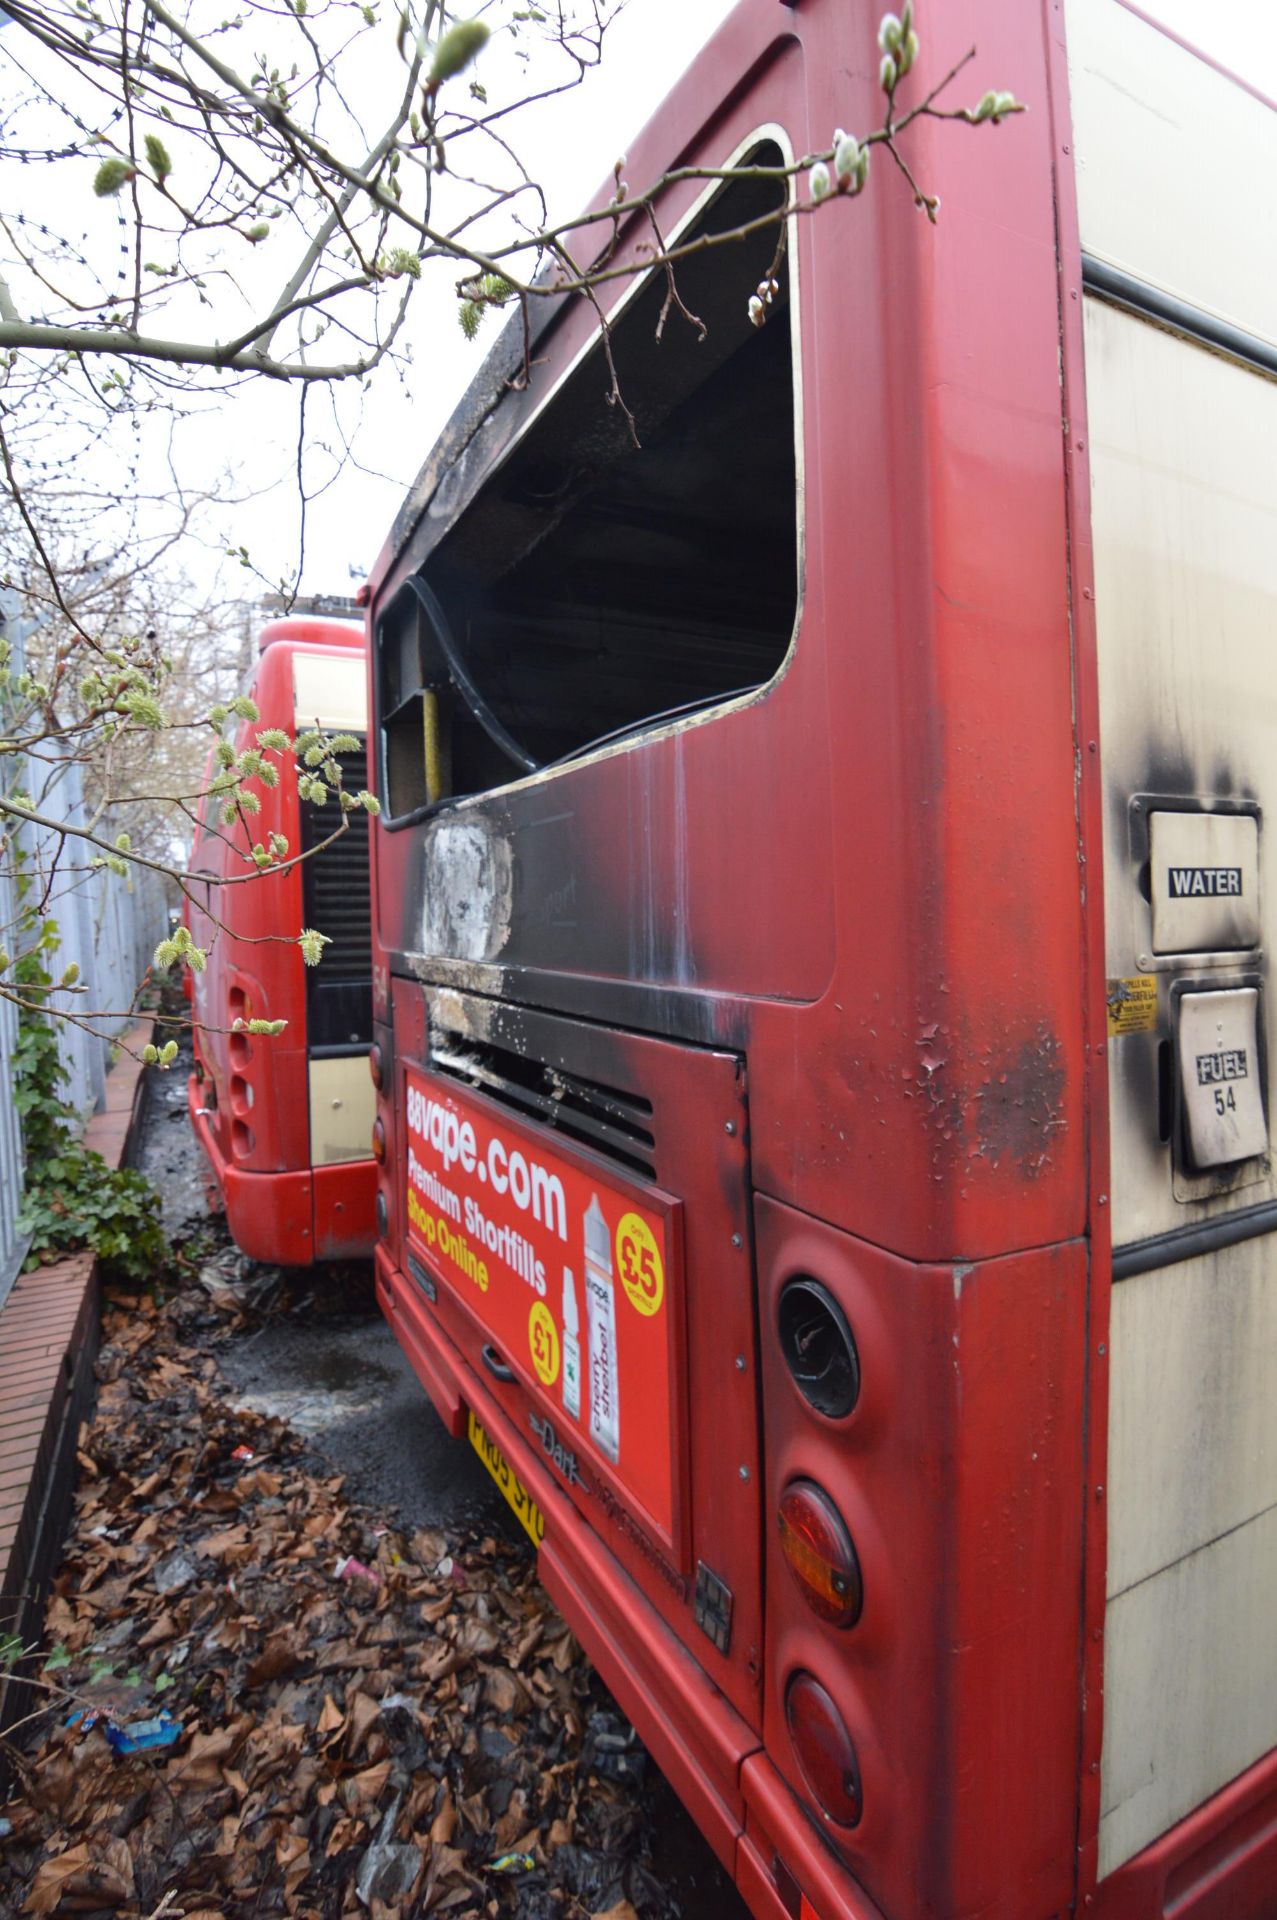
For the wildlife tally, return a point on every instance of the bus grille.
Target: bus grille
(336, 901)
(613, 1122)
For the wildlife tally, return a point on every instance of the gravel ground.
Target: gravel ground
(316, 1352)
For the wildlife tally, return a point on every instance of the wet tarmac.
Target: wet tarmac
(317, 1352)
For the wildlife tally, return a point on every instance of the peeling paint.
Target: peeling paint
(1021, 1106)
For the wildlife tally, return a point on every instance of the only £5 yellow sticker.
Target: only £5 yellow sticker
(641, 1267)
(543, 1340)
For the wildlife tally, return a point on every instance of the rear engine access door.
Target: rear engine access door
(576, 1209)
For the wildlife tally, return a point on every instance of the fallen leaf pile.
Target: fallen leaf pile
(358, 1722)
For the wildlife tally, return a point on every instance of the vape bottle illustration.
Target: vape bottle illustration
(571, 1348)
(600, 1307)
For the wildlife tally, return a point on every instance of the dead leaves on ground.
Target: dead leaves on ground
(412, 1738)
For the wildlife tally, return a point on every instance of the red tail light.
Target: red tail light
(817, 1547)
(824, 1750)
(376, 1067)
(379, 1142)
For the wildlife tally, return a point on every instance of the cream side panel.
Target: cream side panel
(1193, 1421)
(330, 690)
(1173, 160)
(1184, 522)
(342, 1109)
(1241, 36)
(1190, 1686)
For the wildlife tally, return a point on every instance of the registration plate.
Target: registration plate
(520, 1501)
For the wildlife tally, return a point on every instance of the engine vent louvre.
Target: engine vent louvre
(336, 900)
(613, 1122)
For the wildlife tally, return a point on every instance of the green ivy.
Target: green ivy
(73, 1199)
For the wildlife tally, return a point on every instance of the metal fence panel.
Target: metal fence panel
(109, 925)
(12, 1245)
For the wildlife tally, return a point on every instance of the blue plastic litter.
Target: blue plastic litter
(140, 1736)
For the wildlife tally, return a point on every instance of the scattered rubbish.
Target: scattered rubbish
(613, 1749)
(237, 1285)
(512, 1863)
(352, 1569)
(172, 1573)
(243, 1453)
(6, 1828)
(400, 1723)
(140, 1736)
(389, 1870)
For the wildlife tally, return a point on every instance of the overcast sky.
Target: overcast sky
(570, 144)
(242, 443)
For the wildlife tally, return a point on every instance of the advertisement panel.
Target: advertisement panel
(570, 1269)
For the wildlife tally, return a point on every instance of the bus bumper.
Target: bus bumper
(712, 1758)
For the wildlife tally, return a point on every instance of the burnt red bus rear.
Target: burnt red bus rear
(766, 950)
(286, 1121)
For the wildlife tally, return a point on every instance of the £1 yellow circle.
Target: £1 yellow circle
(641, 1267)
(543, 1339)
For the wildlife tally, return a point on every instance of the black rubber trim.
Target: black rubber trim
(1186, 1243)
(459, 674)
(1137, 296)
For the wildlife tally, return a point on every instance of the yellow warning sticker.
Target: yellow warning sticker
(1132, 1005)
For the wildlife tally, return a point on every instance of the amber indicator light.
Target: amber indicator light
(375, 1067)
(818, 1551)
(379, 1142)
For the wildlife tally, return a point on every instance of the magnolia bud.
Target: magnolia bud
(890, 33)
(846, 158)
(908, 52)
(1005, 103)
(819, 182)
(887, 74)
(988, 105)
(457, 48)
(757, 311)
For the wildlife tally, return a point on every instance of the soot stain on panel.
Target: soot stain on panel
(467, 889)
(1019, 1107)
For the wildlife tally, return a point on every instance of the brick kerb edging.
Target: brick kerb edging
(48, 1346)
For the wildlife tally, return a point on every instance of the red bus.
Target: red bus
(286, 1122)
(821, 902)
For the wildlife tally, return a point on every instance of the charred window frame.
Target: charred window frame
(591, 591)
